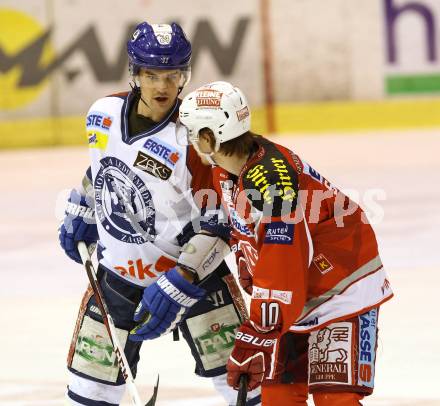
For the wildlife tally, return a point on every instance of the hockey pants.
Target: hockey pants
(95, 378)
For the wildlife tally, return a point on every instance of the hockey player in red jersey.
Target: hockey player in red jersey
(305, 252)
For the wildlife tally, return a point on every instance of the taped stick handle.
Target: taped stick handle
(242, 391)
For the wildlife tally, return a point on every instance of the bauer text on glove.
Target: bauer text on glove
(252, 356)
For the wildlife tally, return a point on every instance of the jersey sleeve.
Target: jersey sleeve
(213, 218)
(85, 188)
(202, 185)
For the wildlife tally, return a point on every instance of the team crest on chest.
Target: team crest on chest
(124, 204)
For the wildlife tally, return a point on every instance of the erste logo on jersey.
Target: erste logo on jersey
(99, 120)
(168, 154)
(124, 205)
(98, 127)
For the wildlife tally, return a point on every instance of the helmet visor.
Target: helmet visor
(185, 77)
(153, 77)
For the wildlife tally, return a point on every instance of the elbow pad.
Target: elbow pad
(202, 254)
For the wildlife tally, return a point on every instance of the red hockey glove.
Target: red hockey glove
(251, 356)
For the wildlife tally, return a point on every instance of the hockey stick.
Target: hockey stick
(242, 391)
(111, 329)
(238, 300)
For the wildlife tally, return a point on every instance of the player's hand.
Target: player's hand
(79, 224)
(251, 356)
(164, 305)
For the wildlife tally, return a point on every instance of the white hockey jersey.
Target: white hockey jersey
(143, 188)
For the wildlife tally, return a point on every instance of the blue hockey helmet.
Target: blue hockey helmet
(159, 46)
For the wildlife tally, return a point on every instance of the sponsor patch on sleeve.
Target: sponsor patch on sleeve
(279, 232)
(283, 296)
(260, 293)
(97, 139)
(322, 264)
(99, 120)
(367, 350)
(308, 170)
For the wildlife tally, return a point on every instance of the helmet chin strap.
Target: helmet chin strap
(136, 88)
(143, 101)
(208, 156)
(210, 159)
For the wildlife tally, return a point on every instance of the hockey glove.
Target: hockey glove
(164, 305)
(79, 224)
(252, 356)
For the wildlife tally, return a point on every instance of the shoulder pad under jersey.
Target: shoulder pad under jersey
(272, 184)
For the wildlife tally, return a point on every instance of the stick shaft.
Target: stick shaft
(242, 391)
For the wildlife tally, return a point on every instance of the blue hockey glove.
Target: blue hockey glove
(164, 305)
(79, 224)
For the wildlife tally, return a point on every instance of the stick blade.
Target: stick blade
(152, 401)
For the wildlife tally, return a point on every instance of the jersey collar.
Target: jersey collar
(153, 130)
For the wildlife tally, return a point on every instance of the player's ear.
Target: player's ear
(203, 136)
(207, 137)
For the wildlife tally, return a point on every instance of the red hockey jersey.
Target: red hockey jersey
(305, 252)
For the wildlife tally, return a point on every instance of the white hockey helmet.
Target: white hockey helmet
(219, 106)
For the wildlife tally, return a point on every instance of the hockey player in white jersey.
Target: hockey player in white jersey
(148, 205)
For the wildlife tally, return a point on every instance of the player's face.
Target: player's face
(159, 88)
